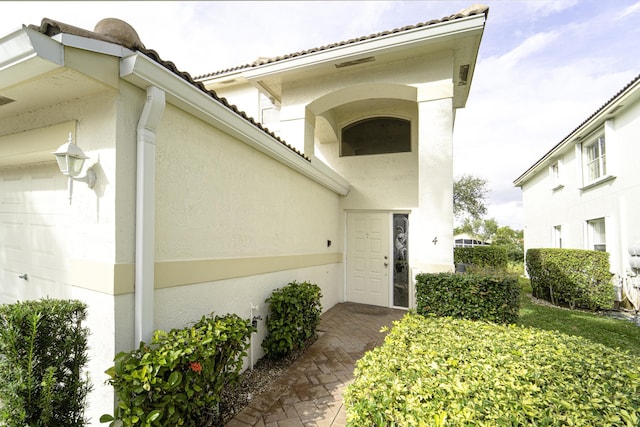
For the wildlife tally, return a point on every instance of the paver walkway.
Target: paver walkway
(309, 392)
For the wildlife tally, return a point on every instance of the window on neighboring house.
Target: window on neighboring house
(557, 236)
(468, 243)
(596, 235)
(555, 171)
(595, 160)
(377, 135)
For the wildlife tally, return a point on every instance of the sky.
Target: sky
(543, 67)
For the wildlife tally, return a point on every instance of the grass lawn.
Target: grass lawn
(615, 333)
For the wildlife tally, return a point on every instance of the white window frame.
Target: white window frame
(596, 234)
(603, 161)
(595, 159)
(556, 234)
(556, 175)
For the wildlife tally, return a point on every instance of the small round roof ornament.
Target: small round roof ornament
(120, 32)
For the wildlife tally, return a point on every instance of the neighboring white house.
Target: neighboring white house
(466, 240)
(196, 206)
(585, 192)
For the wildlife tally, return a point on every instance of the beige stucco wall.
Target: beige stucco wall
(219, 198)
(233, 224)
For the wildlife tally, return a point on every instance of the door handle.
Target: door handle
(386, 264)
(23, 276)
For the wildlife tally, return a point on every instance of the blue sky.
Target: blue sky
(544, 65)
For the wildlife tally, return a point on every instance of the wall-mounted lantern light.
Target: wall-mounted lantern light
(70, 161)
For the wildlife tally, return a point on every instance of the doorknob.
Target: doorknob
(386, 264)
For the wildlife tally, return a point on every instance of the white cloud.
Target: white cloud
(630, 10)
(548, 7)
(529, 47)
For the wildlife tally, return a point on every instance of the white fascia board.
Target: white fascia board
(26, 53)
(141, 71)
(93, 45)
(372, 47)
(585, 129)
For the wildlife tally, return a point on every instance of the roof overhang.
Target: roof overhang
(25, 54)
(616, 105)
(392, 46)
(461, 36)
(37, 70)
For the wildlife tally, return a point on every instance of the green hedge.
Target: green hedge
(176, 380)
(455, 372)
(294, 313)
(470, 296)
(482, 256)
(573, 277)
(43, 353)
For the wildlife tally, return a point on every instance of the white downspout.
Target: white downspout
(145, 214)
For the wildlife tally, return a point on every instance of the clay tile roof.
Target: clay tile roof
(119, 32)
(605, 105)
(476, 9)
(584, 122)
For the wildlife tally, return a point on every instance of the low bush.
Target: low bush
(294, 313)
(43, 352)
(573, 277)
(176, 380)
(455, 372)
(482, 256)
(492, 297)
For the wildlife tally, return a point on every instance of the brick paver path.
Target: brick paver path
(309, 392)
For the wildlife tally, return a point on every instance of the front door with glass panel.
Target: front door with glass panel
(377, 254)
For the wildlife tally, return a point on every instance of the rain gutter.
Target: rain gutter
(145, 214)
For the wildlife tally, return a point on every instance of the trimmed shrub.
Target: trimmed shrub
(43, 352)
(177, 379)
(573, 277)
(294, 313)
(482, 256)
(492, 297)
(455, 372)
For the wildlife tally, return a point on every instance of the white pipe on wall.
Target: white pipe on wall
(145, 214)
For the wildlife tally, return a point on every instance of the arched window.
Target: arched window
(376, 135)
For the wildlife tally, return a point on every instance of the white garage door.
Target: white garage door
(34, 207)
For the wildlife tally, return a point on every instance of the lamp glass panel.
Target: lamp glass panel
(62, 163)
(75, 165)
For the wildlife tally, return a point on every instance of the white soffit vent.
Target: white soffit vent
(355, 62)
(463, 75)
(4, 100)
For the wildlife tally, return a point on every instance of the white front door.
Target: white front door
(368, 256)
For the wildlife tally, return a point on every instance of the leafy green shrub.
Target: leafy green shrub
(454, 372)
(43, 351)
(493, 297)
(177, 379)
(294, 313)
(573, 277)
(482, 256)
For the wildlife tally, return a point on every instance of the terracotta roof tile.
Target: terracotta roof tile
(476, 9)
(51, 28)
